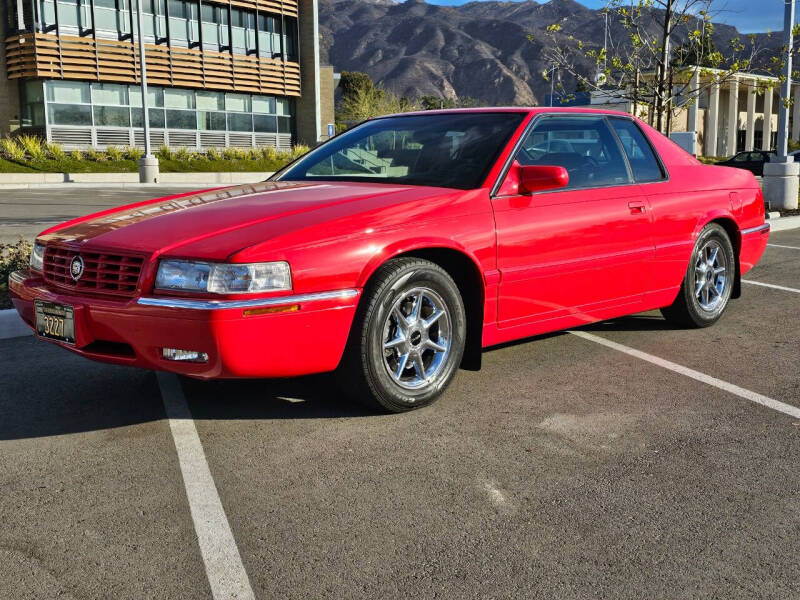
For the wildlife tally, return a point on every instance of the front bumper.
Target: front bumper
(239, 342)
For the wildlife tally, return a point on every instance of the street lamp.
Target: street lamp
(148, 164)
(781, 175)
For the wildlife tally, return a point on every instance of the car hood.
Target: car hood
(173, 223)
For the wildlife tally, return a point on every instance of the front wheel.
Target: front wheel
(708, 283)
(407, 339)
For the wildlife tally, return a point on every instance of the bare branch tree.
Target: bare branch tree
(638, 64)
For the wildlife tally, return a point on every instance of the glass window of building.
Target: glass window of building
(237, 102)
(68, 103)
(183, 23)
(180, 99)
(290, 38)
(154, 20)
(210, 111)
(243, 29)
(74, 16)
(269, 36)
(155, 96)
(109, 93)
(68, 92)
(215, 28)
(74, 103)
(33, 104)
(264, 104)
(175, 98)
(109, 18)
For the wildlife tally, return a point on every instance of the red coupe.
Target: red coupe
(394, 253)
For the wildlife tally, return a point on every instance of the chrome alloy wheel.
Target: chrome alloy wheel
(416, 338)
(710, 275)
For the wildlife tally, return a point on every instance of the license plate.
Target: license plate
(55, 321)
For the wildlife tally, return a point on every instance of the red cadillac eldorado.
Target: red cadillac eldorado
(395, 252)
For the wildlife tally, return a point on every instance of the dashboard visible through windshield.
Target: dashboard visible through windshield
(442, 150)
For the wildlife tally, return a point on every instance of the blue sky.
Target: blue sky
(747, 15)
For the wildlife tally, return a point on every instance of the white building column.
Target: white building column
(766, 129)
(796, 114)
(710, 141)
(750, 126)
(733, 116)
(691, 117)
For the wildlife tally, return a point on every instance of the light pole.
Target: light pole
(781, 174)
(148, 164)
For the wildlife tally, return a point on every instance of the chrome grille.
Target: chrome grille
(104, 273)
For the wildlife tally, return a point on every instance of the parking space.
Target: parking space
(92, 503)
(564, 469)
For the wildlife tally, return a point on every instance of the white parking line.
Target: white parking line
(782, 246)
(224, 568)
(771, 285)
(787, 409)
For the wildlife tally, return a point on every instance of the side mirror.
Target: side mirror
(540, 178)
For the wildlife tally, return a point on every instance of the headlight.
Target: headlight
(183, 275)
(220, 278)
(37, 256)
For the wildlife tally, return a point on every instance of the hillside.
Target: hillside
(480, 50)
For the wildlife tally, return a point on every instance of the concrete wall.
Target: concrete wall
(326, 88)
(309, 127)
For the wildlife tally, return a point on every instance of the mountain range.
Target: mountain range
(491, 51)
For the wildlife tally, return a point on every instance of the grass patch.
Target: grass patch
(8, 166)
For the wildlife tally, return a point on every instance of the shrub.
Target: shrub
(213, 154)
(231, 153)
(55, 151)
(269, 153)
(13, 257)
(133, 153)
(76, 155)
(183, 154)
(254, 154)
(12, 150)
(298, 151)
(114, 153)
(165, 153)
(94, 155)
(33, 146)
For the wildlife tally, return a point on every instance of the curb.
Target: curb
(12, 325)
(784, 223)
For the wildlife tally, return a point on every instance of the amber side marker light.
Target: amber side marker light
(267, 310)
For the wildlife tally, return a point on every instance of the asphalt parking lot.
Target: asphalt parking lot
(25, 213)
(564, 469)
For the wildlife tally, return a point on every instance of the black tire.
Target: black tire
(364, 373)
(692, 311)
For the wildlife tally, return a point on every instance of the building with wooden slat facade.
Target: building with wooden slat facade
(219, 72)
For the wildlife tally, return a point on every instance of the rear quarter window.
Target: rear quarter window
(644, 164)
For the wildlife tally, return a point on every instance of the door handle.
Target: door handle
(637, 207)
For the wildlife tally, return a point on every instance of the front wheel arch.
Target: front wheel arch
(465, 272)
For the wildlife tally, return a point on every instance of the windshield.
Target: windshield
(444, 150)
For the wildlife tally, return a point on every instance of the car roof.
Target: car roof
(513, 109)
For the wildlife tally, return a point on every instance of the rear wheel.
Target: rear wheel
(407, 339)
(708, 283)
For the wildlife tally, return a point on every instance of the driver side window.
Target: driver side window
(584, 146)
